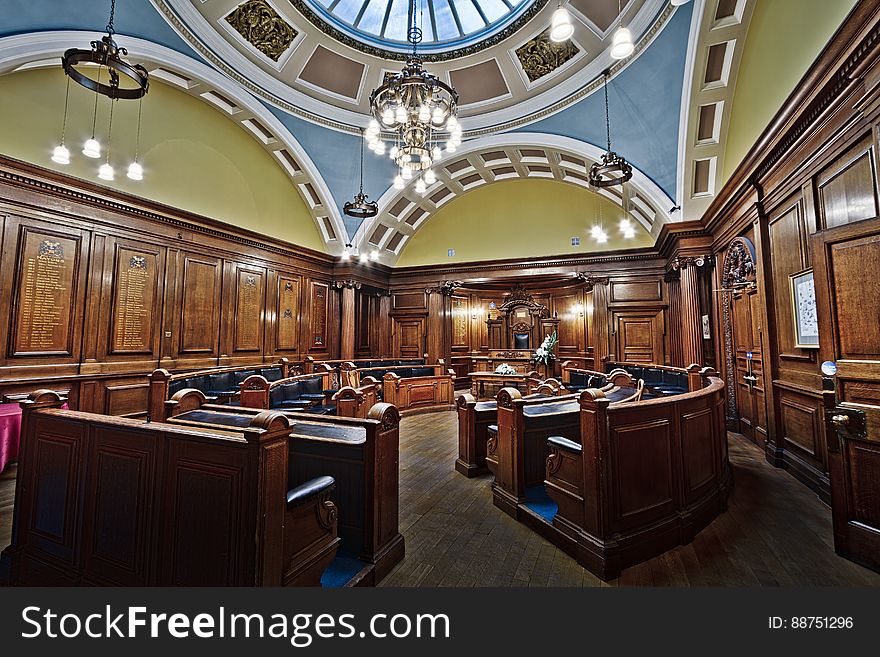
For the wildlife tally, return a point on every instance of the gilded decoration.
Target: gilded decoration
(541, 56)
(262, 27)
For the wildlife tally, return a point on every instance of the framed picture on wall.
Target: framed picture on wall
(803, 302)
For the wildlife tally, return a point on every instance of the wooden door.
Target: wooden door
(639, 336)
(748, 357)
(409, 337)
(848, 308)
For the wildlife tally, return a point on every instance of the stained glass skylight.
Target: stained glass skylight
(445, 24)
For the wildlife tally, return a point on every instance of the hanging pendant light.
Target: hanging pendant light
(105, 172)
(360, 207)
(91, 148)
(678, 3)
(622, 45)
(135, 170)
(561, 28)
(61, 155)
(612, 169)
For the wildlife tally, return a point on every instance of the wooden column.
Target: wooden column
(601, 348)
(690, 322)
(439, 327)
(673, 287)
(346, 317)
(385, 347)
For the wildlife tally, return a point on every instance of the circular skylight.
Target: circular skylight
(445, 24)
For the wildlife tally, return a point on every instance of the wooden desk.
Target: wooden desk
(485, 385)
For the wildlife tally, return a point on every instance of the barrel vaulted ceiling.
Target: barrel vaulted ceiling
(302, 91)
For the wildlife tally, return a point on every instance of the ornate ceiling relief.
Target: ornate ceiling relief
(541, 56)
(263, 28)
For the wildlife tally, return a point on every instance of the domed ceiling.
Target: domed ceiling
(297, 75)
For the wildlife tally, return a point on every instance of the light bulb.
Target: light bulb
(625, 225)
(595, 231)
(420, 186)
(388, 116)
(406, 173)
(364, 258)
(135, 171)
(629, 233)
(437, 116)
(394, 151)
(400, 115)
(436, 153)
(105, 172)
(430, 176)
(455, 139)
(679, 3)
(622, 44)
(373, 126)
(61, 155)
(452, 123)
(374, 255)
(450, 147)
(424, 114)
(561, 28)
(380, 148)
(92, 148)
(346, 256)
(398, 182)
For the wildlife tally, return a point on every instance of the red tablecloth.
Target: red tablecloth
(10, 428)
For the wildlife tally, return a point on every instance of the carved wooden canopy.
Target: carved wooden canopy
(740, 267)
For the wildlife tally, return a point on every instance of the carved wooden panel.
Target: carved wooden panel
(287, 315)
(126, 398)
(639, 336)
(136, 296)
(409, 301)
(409, 337)
(641, 462)
(856, 285)
(699, 458)
(46, 293)
(119, 512)
(200, 307)
(787, 236)
(320, 299)
(801, 417)
(570, 331)
(622, 291)
(847, 190)
(249, 303)
(460, 321)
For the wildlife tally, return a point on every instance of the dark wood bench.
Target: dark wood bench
(362, 455)
(413, 389)
(623, 481)
(475, 418)
(110, 501)
(220, 384)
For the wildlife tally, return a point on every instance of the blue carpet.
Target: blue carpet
(340, 571)
(538, 501)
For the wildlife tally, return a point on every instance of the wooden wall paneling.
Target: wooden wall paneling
(409, 337)
(676, 356)
(245, 316)
(288, 313)
(764, 337)
(95, 321)
(319, 310)
(638, 335)
(386, 347)
(129, 333)
(847, 190)
(200, 290)
(44, 273)
(569, 307)
(461, 311)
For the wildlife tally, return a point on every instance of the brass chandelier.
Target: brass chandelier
(420, 110)
(360, 207)
(613, 169)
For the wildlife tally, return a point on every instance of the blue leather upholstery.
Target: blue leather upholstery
(305, 493)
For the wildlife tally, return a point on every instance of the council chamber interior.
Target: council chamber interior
(440, 293)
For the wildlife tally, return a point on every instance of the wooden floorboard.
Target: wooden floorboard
(776, 532)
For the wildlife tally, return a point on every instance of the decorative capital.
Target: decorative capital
(591, 281)
(349, 283)
(683, 262)
(446, 288)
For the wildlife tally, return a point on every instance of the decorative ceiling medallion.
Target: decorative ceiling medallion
(541, 56)
(262, 27)
(401, 55)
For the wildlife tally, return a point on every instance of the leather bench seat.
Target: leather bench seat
(301, 395)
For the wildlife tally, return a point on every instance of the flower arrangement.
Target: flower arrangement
(544, 353)
(505, 369)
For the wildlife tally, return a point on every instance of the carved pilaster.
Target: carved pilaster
(346, 312)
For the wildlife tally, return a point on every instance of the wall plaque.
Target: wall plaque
(319, 316)
(288, 314)
(45, 294)
(459, 321)
(135, 301)
(248, 311)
